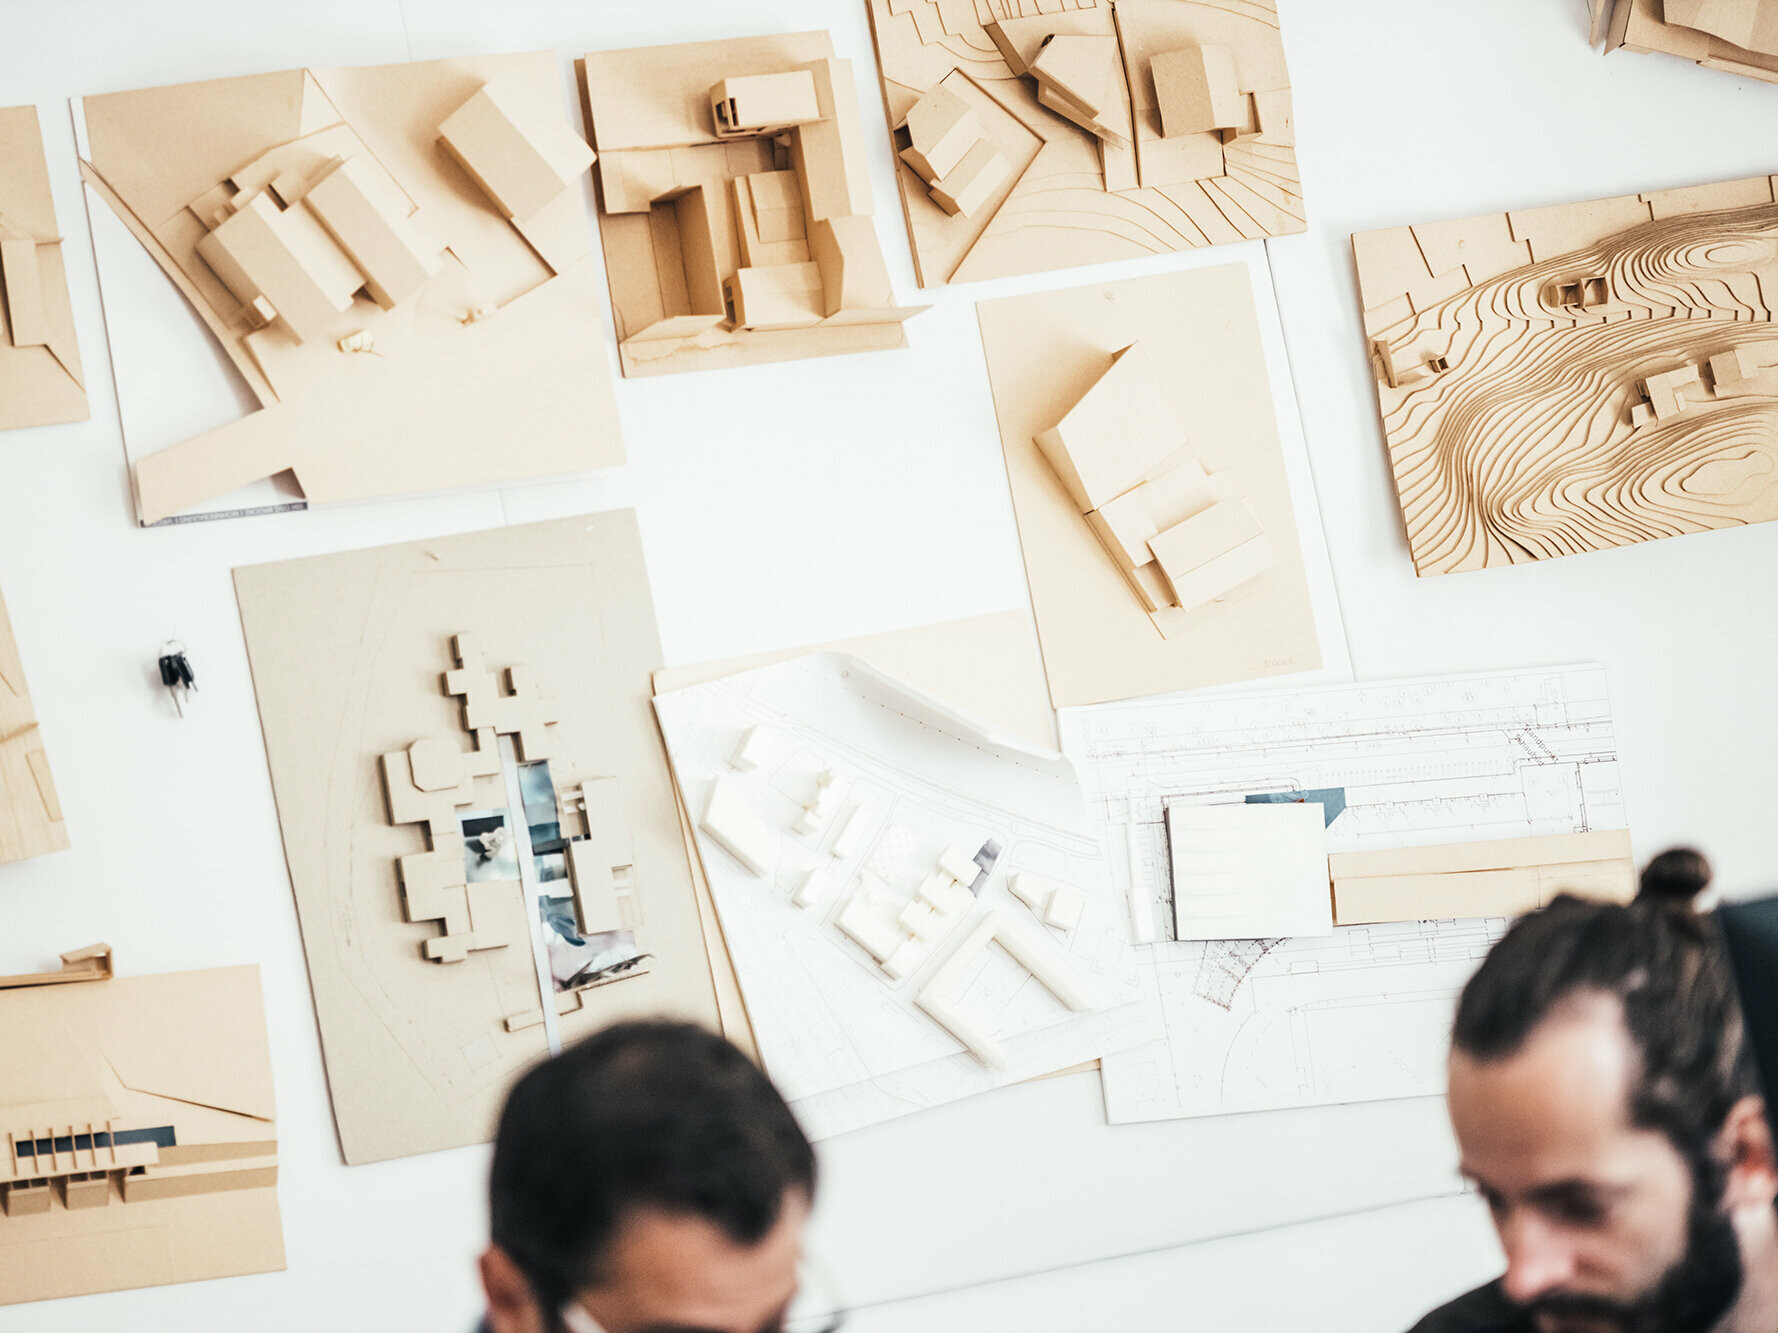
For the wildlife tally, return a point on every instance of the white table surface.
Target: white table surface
(812, 501)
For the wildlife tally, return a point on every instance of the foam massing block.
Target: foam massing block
(1064, 909)
(1115, 434)
(286, 257)
(363, 211)
(868, 920)
(816, 885)
(732, 824)
(1032, 890)
(19, 274)
(759, 104)
(753, 749)
(1197, 91)
(959, 865)
(521, 166)
(821, 805)
(855, 827)
(1213, 553)
(936, 997)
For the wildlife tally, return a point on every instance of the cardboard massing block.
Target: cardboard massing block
(593, 876)
(756, 251)
(732, 824)
(973, 181)
(829, 154)
(25, 313)
(783, 296)
(288, 258)
(632, 181)
(854, 275)
(1120, 429)
(521, 163)
(1277, 117)
(1196, 90)
(1080, 68)
(364, 211)
(1126, 524)
(753, 749)
(1501, 877)
(936, 133)
(758, 104)
(1667, 395)
(1211, 554)
(435, 764)
(408, 803)
(777, 206)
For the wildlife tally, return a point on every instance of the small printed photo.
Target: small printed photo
(537, 789)
(576, 962)
(552, 874)
(490, 852)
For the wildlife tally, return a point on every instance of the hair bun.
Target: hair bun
(1675, 877)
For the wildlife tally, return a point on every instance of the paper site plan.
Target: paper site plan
(1364, 1014)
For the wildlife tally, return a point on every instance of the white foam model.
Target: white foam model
(815, 886)
(733, 825)
(821, 808)
(959, 865)
(855, 827)
(1034, 956)
(1064, 908)
(751, 750)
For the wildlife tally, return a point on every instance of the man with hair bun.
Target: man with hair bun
(1609, 1113)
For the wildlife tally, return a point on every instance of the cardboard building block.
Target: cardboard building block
(784, 296)
(1112, 436)
(286, 257)
(1213, 552)
(27, 320)
(973, 181)
(1197, 90)
(850, 261)
(520, 162)
(732, 823)
(1080, 67)
(419, 1053)
(354, 202)
(30, 811)
(135, 1154)
(828, 153)
(1735, 36)
(1499, 878)
(936, 133)
(1126, 523)
(763, 103)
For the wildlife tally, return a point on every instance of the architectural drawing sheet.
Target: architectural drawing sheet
(1363, 1014)
(845, 1043)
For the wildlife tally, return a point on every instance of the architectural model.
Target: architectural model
(1150, 485)
(735, 205)
(395, 259)
(132, 1155)
(477, 813)
(1737, 36)
(30, 814)
(1044, 134)
(1502, 877)
(41, 382)
(1566, 379)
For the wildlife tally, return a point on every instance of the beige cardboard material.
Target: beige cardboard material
(1532, 373)
(185, 1052)
(348, 652)
(30, 815)
(1735, 36)
(715, 288)
(1507, 877)
(41, 382)
(984, 666)
(1100, 184)
(1044, 352)
(392, 321)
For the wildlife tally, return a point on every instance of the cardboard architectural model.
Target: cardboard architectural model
(1154, 509)
(141, 1142)
(735, 205)
(30, 814)
(41, 382)
(396, 260)
(1577, 377)
(1736, 36)
(1505, 877)
(471, 791)
(1044, 134)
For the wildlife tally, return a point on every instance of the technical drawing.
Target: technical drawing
(1362, 1014)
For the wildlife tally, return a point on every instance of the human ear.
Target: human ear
(512, 1308)
(1745, 1143)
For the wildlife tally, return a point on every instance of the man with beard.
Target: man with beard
(1609, 1114)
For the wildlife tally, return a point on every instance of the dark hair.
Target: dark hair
(1664, 963)
(663, 1115)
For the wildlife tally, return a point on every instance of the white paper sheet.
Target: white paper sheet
(1364, 1013)
(845, 1043)
(1244, 872)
